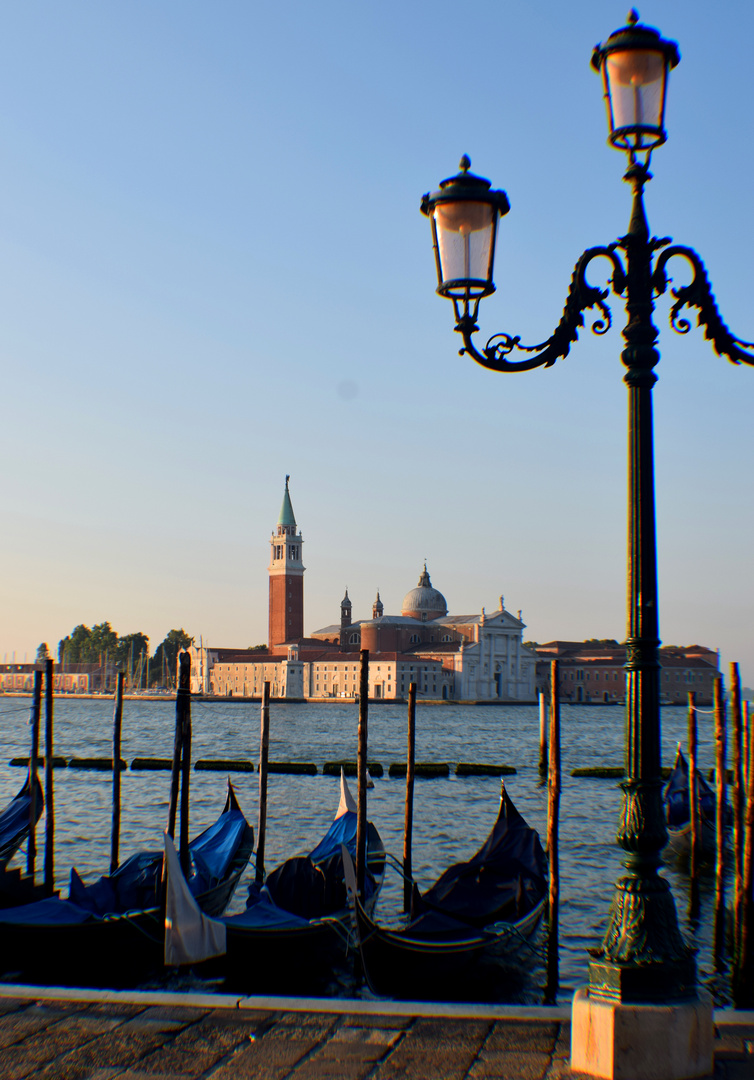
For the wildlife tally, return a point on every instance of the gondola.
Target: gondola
(15, 820)
(295, 928)
(111, 933)
(677, 811)
(488, 905)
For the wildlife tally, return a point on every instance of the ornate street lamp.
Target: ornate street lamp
(643, 957)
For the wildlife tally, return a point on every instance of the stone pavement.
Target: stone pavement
(133, 1040)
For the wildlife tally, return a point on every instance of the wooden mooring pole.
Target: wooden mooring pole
(738, 803)
(694, 816)
(744, 982)
(361, 770)
(746, 735)
(721, 784)
(408, 822)
(185, 671)
(117, 728)
(542, 735)
(34, 770)
(264, 754)
(49, 871)
(36, 712)
(175, 775)
(553, 811)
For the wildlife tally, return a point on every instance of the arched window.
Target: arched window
(414, 639)
(354, 639)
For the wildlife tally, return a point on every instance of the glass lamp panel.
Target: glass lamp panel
(465, 238)
(636, 82)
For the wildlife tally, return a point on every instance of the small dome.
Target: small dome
(424, 602)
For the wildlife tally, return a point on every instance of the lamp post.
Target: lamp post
(643, 957)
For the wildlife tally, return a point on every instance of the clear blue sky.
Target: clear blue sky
(213, 272)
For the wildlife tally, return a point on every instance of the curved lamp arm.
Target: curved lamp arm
(699, 294)
(581, 296)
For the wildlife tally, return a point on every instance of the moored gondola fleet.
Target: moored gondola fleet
(304, 923)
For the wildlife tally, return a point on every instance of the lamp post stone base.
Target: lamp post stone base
(641, 1042)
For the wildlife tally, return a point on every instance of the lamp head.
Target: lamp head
(634, 62)
(464, 213)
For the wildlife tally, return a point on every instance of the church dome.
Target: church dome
(424, 602)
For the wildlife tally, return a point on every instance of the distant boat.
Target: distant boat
(678, 814)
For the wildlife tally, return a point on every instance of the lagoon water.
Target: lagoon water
(451, 816)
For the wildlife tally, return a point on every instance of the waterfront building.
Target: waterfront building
(76, 679)
(593, 671)
(450, 657)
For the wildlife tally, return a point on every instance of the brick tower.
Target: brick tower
(286, 572)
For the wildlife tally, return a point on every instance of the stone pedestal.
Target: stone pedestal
(641, 1042)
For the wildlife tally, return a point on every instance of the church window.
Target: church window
(414, 640)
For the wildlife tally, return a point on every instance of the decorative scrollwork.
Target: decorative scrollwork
(699, 294)
(581, 297)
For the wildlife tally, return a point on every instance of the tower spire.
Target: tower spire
(286, 572)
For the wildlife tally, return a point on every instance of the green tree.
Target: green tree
(104, 641)
(75, 648)
(166, 655)
(130, 650)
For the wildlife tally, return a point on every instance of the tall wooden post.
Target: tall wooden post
(542, 735)
(185, 759)
(744, 982)
(408, 822)
(117, 728)
(361, 768)
(738, 801)
(694, 816)
(553, 812)
(49, 873)
(746, 736)
(182, 703)
(264, 751)
(721, 778)
(36, 712)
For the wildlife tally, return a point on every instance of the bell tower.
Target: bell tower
(286, 572)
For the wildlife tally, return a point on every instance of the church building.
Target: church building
(450, 657)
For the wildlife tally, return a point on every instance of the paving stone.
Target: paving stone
(441, 1031)
(135, 1074)
(449, 1063)
(508, 1063)
(117, 1048)
(161, 1020)
(381, 1036)
(361, 1020)
(8, 1005)
(17, 1026)
(107, 1008)
(352, 1051)
(563, 1042)
(167, 1061)
(264, 1059)
(534, 1035)
(318, 1068)
(213, 1041)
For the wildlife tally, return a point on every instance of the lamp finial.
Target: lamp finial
(465, 163)
(633, 17)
